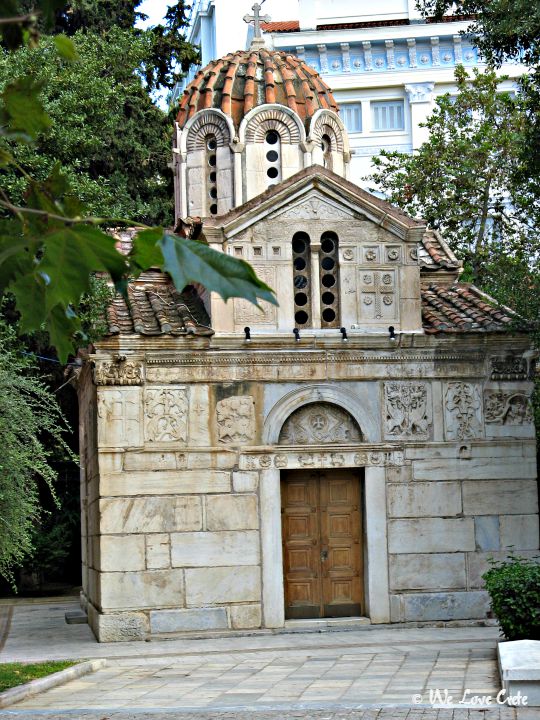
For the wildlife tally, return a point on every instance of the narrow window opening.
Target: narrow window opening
(272, 147)
(329, 277)
(326, 147)
(301, 278)
(211, 174)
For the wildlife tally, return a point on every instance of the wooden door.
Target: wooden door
(322, 548)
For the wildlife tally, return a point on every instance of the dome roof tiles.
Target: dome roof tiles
(243, 80)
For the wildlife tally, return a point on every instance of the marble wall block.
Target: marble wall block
(212, 549)
(211, 586)
(231, 512)
(147, 589)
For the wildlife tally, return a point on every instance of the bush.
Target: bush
(514, 588)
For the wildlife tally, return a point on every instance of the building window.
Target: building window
(329, 279)
(326, 147)
(272, 149)
(388, 115)
(211, 174)
(301, 278)
(351, 114)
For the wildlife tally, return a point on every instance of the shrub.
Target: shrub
(514, 587)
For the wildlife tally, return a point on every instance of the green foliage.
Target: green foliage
(32, 430)
(465, 178)
(505, 30)
(95, 118)
(13, 674)
(82, 145)
(514, 589)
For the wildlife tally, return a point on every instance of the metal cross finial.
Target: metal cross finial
(256, 19)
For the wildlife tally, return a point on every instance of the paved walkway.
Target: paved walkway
(336, 675)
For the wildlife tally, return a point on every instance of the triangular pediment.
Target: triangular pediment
(314, 206)
(317, 193)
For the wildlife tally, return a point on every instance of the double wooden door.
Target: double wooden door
(322, 544)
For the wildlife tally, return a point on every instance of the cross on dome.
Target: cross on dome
(256, 19)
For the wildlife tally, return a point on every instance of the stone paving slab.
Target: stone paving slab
(387, 713)
(361, 675)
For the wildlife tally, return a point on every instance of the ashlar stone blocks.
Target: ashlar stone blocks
(214, 549)
(217, 585)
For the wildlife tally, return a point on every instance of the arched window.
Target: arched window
(329, 279)
(272, 149)
(211, 174)
(302, 279)
(326, 147)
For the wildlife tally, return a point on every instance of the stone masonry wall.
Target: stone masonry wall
(174, 530)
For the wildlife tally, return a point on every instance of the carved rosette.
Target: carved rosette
(166, 414)
(462, 407)
(408, 410)
(507, 408)
(235, 418)
(319, 423)
(118, 371)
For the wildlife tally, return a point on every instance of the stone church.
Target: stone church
(358, 451)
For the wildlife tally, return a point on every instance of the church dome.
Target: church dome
(241, 81)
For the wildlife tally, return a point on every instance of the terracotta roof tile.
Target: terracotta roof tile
(281, 26)
(462, 307)
(155, 307)
(240, 81)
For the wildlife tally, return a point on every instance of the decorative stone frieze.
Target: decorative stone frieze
(509, 367)
(165, 414)
(235, 417)
(319, 423)
(118, 371)
(507, 408)
(408, 410)
(463, 414)
(320, 458)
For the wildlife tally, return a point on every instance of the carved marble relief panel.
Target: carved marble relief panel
(378, 296)
(166, 414)
(235, 417)
(318, 423)
(507, 408)
(119, 417)
(462, 411)
(246, 312)
(408, 410)
(118, 371)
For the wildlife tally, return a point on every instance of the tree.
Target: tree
(112, 141)
(506, 30)
(50, 243)
(32, 430)
(464, 178)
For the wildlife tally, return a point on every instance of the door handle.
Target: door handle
(324, 554)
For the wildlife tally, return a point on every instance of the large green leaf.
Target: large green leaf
(66, 48)
(71, 254)
(189, 261)
(62, 325)
(146, 252)
(21, 110)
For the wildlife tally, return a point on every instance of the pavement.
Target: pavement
(385, 673)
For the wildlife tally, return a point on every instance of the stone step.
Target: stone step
(76, 617)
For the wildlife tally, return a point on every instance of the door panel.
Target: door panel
(300, 526)
(322, 551)
(340, 541)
